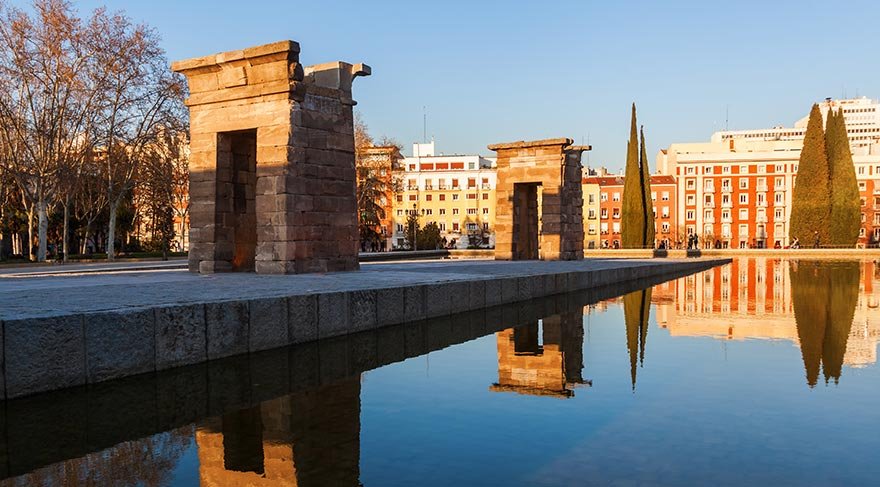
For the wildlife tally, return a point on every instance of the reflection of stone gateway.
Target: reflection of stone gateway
(308, 438)
(551, 369)
(272, 170)
(539, 200)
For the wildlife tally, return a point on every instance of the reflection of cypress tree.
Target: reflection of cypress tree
(824, 296)
(844, 294)
(636, 310)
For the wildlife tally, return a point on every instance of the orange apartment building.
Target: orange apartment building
(607, 210)
(736, 190)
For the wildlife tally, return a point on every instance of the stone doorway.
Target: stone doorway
(236, 194)
(526, 219)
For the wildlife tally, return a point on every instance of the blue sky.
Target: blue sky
(500, 71)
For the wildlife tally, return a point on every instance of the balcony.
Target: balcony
(441, 187)
(709, 204)
(486, 186)
(726, 204)
(709, 189)
(412, 188)
(726, 219)
(761, 204)
(710, 219)
(726, 189)
(429, 187)
(761, 189)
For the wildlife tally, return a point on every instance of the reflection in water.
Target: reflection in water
(148, 462)
(303, 439)
(824, 297)
(553, 368)
(636, 311)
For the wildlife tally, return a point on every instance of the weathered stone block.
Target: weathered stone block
(180, 335)
(44, 354)
(414, 303)
(119, 343)
(363, 310)
(333, 314)
(390, 306)
(494, 292)
(227, 326)
(438, 299)
(509, 290)
(302, 318)
(268, 324)
(476, 298)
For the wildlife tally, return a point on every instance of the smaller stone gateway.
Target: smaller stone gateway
(272, 166)
(539, 205)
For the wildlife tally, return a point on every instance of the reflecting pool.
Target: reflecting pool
(762, 372)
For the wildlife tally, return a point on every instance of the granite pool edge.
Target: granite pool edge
(55, 352)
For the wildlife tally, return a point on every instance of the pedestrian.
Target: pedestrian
(816, 238)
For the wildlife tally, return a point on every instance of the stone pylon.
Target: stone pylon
(272, 165)
(539, 200)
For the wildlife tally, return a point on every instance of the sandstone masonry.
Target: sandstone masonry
(539, 200)
(272, 167)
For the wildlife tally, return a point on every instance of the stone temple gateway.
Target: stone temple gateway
(539, 200)
(272, 165)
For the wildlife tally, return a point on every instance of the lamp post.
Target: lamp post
(415, 237)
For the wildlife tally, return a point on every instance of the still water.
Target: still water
(762, 372)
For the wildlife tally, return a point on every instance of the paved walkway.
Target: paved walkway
(34, 295)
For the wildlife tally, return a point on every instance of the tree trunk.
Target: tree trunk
(43, 221)
(30, 243)
(111, 230)
(65, 240)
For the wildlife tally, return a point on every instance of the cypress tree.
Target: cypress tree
(845, 202)
(811, 197)
(632, 224)
(636, 313)
(843, 296)
(646, 185)
(809, 298)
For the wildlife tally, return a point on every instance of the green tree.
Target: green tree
(412, 229)
(632, 224)
(811, 197)
(429, 237)
(845, 202)
(646, 185)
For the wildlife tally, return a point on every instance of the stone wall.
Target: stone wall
(539, 200)
(272, 172)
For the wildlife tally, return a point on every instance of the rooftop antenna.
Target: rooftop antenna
(726, 117)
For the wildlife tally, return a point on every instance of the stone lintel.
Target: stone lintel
(337, 75)
(521, 144)
(237, 55)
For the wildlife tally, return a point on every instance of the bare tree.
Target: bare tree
(140, 98)
(49, 93)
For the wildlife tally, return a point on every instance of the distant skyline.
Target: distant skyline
(492, 72)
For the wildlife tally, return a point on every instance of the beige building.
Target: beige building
(457, 192)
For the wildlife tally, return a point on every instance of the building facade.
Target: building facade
(602, 230)
(735, 191)
(457, 192)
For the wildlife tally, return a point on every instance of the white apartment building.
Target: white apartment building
(736, 189)
(457, 192)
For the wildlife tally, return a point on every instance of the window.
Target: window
(664, 212)
(591, 229)
(743, 214)
(604, 212)
(691, 184)
(428, 197)
(442, 211)
(725, 170)
(707, 169)
(744, 169)
(591, 214)
(603, 197)
(862, 186)
(743, 183)
(725, 230)
(725, 184)
(455, 211)
(472, 196)
(615, 227)
(472, 227)
(762, 184)
(615, 197)
(762, 169)
(664, 196)
(779, 183)
(485, 196)
(861, 170)
(486, 226)
(428, 184)
(778, 198)
(443, 227)
(690, 214)
(615, 213)
(399, 227)
(455, 227)
(689, 170)
(653, 196)
(864, 200)
(472, 211)
(455, 184)
(725, 215)
(664, 227)
(691, 200)
(472, 183)
(603, 227)
(455, 197)
(591, 198)
(779, 168)
(707, 215)
(744, 198)
(412, 185)
(743, 230)
(429, 211)
(442, 197)
(778, 214)
(485, 211)
(400, 198)
(413, 197)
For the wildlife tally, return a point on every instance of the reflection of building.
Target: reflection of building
(457, 192)
(552, 368)
(307, 438)
(751, 299)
